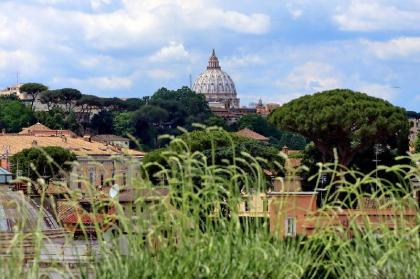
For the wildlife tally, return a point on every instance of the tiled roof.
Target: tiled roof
(78, 146)
(247, 133)
(109, 138)
(36, 127)
(41, 130)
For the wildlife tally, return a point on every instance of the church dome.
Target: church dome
(216, 85)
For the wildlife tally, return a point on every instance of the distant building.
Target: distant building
(414, 128)
(217, 86)
(41, 130)
(265, 109)
(98, 165)
(296, 213)
(231, 115)
(113, 140)
(15, 90)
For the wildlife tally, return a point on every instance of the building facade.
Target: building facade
(98, 165)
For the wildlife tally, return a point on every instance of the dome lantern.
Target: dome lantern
(213, 61)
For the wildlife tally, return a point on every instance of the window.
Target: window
(290, 226)
(102, 179)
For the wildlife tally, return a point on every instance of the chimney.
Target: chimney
(34, 143)
(285, 150)
(87, 138)
(64, 138)
(3, 131)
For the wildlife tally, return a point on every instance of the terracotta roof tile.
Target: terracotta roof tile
(247, 133)
(78, 146)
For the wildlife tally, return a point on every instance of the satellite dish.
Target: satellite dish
(114, 191)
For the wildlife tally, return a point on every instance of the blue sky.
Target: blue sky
(274, 50)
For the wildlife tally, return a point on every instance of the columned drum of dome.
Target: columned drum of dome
(216, 85)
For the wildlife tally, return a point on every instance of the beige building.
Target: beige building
(113, 140)
(14, 90)
(97, 164)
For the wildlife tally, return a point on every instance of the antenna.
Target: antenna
(190, 82)
(17, 78)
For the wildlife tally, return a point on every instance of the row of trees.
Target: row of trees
(144, 118)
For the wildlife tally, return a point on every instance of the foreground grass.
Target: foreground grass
(196, 232)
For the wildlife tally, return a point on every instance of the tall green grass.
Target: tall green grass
(196, 231)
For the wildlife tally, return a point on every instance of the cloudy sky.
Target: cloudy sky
(273, 49)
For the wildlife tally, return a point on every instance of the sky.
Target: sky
(276, 50)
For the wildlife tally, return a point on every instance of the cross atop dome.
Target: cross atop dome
(213, 61)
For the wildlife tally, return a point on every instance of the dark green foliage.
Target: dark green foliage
(102, 122)
(349, 121)
(57, 119)
(122, 123)
(277, 137)
(216, 121)
(14, 115)
(221, 148)
(51, 98)
(413, 114)
(48, 162)
(259, 124)
(33, 90)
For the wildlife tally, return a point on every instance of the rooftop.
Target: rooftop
(247, 133)
(108, 137)
(78, 146)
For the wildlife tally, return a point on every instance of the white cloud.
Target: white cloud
(97, 4)
(174, 51)
(382, 91)
(361, 15)
(160, 74)
(18, 60)
(95, 83)
(399, 47)
(311, 77)
(242, 61)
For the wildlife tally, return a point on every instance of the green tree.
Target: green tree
(51, 98)
(149, 122)
(221, 147)
(69, 97)
(215, 120)
(14, 115)
(277, 137)
(53, 118)
(351, 122)
(33, 90)
(195, 105)
(258, 124)
(48, 162)
(122, 124)
(102, 122)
